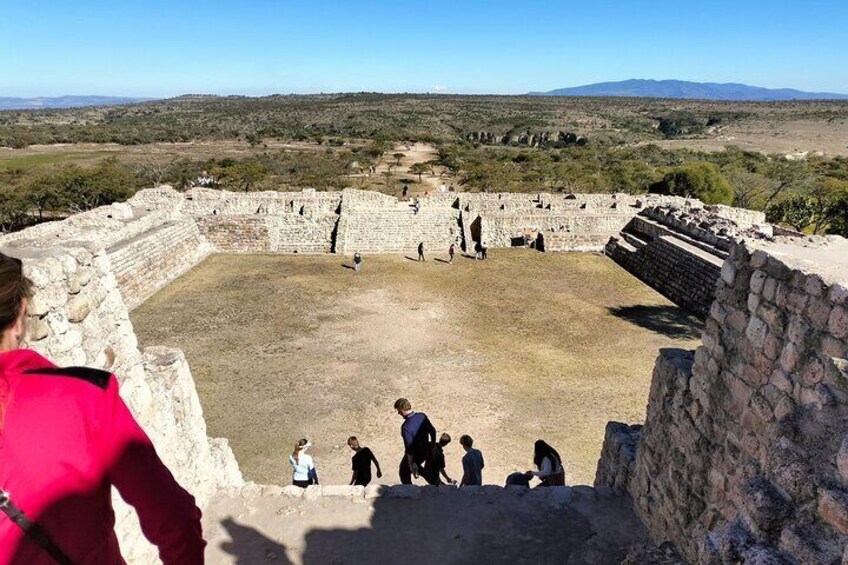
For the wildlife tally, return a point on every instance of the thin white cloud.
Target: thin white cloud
(438, 88)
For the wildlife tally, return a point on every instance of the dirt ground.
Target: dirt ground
(150, 153)
(796, 138)
(519, 347)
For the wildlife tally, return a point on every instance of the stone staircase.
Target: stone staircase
(410, 524)
(679, 265)
(397, 229)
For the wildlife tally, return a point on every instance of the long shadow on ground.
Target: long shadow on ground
(248, 546)
(474, 529)
(669, 321)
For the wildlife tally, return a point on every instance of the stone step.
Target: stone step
(410, 524)
(638, 241)
(652, 228)
(621, 245)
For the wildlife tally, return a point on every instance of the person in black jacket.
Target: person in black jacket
(418, 437)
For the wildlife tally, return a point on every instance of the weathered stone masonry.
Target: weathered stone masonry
(679, 250)
(743, 457)
(92, 268)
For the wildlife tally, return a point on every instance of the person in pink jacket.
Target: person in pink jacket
(66, 438)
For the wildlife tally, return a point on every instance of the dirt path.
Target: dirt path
(509, 350)
(414, 153)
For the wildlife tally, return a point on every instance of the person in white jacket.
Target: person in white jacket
(303, 468)
(548, 464)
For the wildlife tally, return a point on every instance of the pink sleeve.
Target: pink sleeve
(168, 515)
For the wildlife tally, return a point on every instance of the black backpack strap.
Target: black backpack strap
(33, 531)
(94, 376)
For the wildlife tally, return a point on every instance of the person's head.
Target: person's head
(353, 443)
(15, 293)
(466, 441)
(444, 439)
(301, 446)
(403, 406)
(541, 450)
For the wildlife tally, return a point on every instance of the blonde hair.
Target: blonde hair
(298, 447)
(14, 288)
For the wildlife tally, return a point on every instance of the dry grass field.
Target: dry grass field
(519, 347)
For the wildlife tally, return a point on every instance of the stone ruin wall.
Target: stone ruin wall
(743, 456)
(93, 268)
(146, 263)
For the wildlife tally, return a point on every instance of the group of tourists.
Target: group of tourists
(424, 458)
(481, 253)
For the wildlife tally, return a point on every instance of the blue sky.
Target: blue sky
(165, 48)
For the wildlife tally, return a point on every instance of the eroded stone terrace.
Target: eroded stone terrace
(741, 457)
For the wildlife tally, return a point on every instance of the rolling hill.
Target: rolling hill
(690, 90)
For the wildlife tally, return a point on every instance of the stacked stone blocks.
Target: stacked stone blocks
(744, 452)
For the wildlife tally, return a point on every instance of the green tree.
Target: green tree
(44, 194)
(83, 189)
(839, 222)
(795, 211)
(824, 196)
(749, 189)
(243, 176)
(699, 180)
(419, 169)
(787, 175)
(13, 210)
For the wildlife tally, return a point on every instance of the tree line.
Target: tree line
(809, 195)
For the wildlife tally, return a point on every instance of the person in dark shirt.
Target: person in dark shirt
(472, 463)
(436, 463)
(361, 463)
(421, 251)
(418, 437)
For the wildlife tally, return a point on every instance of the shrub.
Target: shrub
(700, 180)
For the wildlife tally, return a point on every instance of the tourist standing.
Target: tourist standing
(303, 467)
(421, 251)
(436, 462)
(478, 250)
(357, 261)
(548, 464)
(472, 463)
(361, 463)
(418, 437)
(484, 251)
(451, 252)
(66, 438)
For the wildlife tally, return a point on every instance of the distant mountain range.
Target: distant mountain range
(42, 103)
(692, 90)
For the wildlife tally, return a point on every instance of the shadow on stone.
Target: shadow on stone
(457, 528)
(669, 321)
(248, 546)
